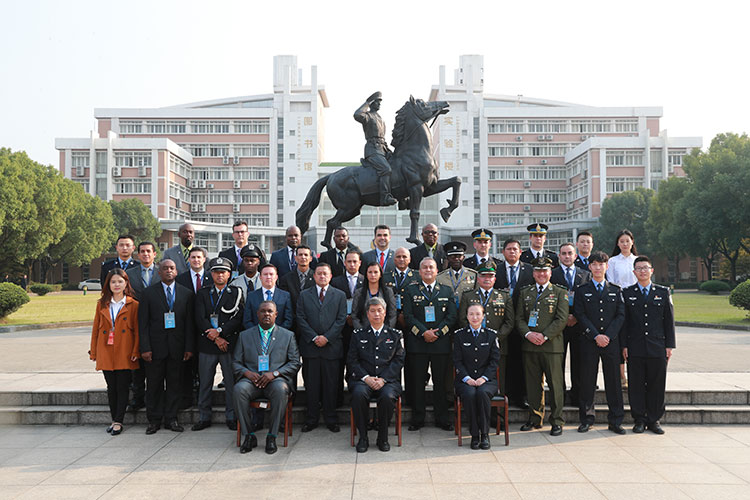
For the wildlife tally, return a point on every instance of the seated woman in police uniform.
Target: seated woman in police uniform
(476, 354)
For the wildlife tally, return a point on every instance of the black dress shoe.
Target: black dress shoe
(639, 427)
(271, 447)
(474, 443)
(383, 445)
(584, 427)
(152, 428)
(362, 445)
(556, 430)
(528, 426)
(484, 442)
(109, 429)
(333, 427)
(232, 425)
(247, 444)
(116, 429)
(415, 427)
(616, 428)
(309, 427)
(655, 428)
(220, 385)
(174, 426)
(201, 424)
(446, 426)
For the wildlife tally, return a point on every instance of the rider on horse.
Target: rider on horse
(376, 148)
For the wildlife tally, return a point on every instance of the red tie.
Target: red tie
(382, 259)
(197, 282)
(322, 295)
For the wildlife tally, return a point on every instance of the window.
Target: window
(179, 166)
(132, 159)
(156, 127)
(544, 173)
(218, 174)
(624, 126)
(257, 219)
(503, 197)
(101, 162)
(132, 186)
(505, 174)
(506, 219)
(548, 196)
(252, 127)
(292, 133)
(252, 150)
(547, 126)
(79, 159)
(675, 158)
(83, 182)
(591, 126)
(505, 127)
(209, 127)
(130, 127)
(624, 158)
(620, 184)
(218, 150)
(218, 197)
(252, 197)
(251, 174)
(500, 150)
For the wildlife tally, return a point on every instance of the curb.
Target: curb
(44, 326)
(713, 326)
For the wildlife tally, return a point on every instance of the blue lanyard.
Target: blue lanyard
(113, 315)
(369, 295)
(484, 301)
(453, 283)
(433, 291)
(211, 296)
(398, 284)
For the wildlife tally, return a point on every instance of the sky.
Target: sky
(60, 60)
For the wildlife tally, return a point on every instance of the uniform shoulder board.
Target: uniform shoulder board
(491, 330)
(358, 330)
(559, 287)
(528, 287)
(661, 287)
(610, 284)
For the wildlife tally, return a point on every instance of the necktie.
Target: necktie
(475, 332)
(239, 259)
(382, 259)
(322, 295)
(352, 284)
(186, 254)
(585, 261)
(429, 290)
(512, 277)
(457, 276)
(197, 282)
(483, 260)
(538, 293)
(269, 295)
(599, 287)
(644, 291)
(341, 259)
(569, 277)
(292, 260)
(146, 277)
(170, 298)
(485, 296)
(302, 278)
(376, 332)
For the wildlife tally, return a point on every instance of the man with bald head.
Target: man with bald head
(180, 253)
(430, 248)
(283, 258)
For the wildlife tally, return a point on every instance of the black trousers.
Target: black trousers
(117, 392)
(647, 379)
(321, 376)
(138, 382)
(386, 397)
(610, 356)
(476, 402)
(189, 376)
(572, 340)
(515, 376)
(163, 388)
(437, 363)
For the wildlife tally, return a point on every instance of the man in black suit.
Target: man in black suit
(513, 275)
(600, 311)
(482, 244)
(430, 248)
(570, 277)
(233, 253)
(167, 340)
(335, 256)
(300, 278)
(124, 246)
(537, 237)
(375, 360)
(647, 340)
(584, 246)
(179, 253)
(218, 321)
(283, 258)
(141, 277)
(321, 314)
(382, 254)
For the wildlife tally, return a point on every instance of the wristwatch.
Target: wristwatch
(218, 329)
(276, 373)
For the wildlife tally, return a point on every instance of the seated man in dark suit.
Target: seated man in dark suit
(124, 246)
(266, 362)
(167, 339)
(376, 357)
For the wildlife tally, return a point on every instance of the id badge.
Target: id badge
(533, 318)
(349, 306)
(571, 296)
(429, 314)
(214, 319)
(234, 275)
(169, 320)
(111, 338)
(398, 301)
(263, 362)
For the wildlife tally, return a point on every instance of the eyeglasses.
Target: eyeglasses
(429, 232)
(642, 269)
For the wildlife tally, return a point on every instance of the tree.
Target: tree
(131, 216)
(628, 210)
(666, 227)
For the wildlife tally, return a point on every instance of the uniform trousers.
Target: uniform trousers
(538, 366)
(117, 392)
(277, 392)
(161, 402)
(515, 374)
(476, 402)
(647, 378)
(206, 372)
(610, 356)
(386, 397)
(320, 377)
(437, 364)
(572, 340)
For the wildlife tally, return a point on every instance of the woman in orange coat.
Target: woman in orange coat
(114, 342)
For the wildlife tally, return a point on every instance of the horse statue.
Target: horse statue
(415, 175)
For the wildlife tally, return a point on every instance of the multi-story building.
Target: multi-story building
(212, 162)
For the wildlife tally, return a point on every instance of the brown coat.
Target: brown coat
(117, 356)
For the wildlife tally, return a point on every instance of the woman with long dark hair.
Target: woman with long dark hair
(373, 287)
(620, 270)
(114, 342)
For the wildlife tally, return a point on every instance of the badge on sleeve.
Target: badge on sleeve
(533, 318)
(429, 313)
(169, 321)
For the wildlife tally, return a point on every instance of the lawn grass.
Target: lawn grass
(55, 308)
(706, 308)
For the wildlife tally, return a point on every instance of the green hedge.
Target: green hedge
(714, 286)
(12, 297)
(740, 296)
(41, 288)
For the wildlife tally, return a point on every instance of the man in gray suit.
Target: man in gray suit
(321, 315)
(180, 252)
(381, 253)
(266, 362)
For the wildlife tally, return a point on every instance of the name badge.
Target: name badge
(111, 337)
(234, 275)
(214, 319)
(571, 295)
(429, 313)
(169, 321)
(533, 319)
(263, 362)
(349, 306)
(398, 301)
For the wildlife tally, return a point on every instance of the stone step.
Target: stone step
(99, 397)
(99, 414)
